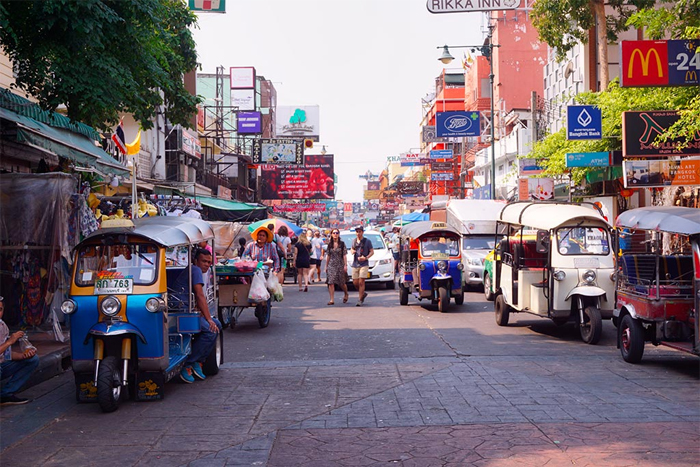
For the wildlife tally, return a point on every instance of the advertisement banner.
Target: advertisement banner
(588, 159)
(302, 121)
(312, 180)
(639, 132)
(413, 202)
(278, 151)
(442, 167)
(300, 207)
(538, 189)
(249, 123)
(191, 145)
(659, 173)
(660, 63)
(457, 124)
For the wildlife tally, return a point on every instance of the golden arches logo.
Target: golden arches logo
(691, 75)
(645, 62)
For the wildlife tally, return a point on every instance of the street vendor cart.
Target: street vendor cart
(234, 279)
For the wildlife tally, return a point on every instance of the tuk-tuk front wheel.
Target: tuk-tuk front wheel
(459, 298)
(443, 299)
(502, 311)
(592, 325)
(631, 338)
(215, 357)
(403, 294)
(109, 384)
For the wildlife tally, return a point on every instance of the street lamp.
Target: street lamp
(487, 51)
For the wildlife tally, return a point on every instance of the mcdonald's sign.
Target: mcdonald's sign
(660, 63)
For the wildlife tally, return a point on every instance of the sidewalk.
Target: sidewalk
(54, 356)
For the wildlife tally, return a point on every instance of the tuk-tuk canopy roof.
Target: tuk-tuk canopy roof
(416, 229)
(164, 230)
(673, 219)
(547, 216)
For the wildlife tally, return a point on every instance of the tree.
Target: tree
(101, 57)
(564, 23)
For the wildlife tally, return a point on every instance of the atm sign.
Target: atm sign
(660, 63)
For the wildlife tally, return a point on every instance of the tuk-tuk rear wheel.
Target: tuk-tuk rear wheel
(443, 299)
(459, 298)
(403, 294)
(215, 357)
(592, 327)
(631, 339)
(502, 311)
(109, 384)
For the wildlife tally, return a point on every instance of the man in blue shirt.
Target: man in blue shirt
(210, 326)
(361, 252)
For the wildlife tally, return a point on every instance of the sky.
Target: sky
(366, 63)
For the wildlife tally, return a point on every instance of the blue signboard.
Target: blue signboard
(583, 122)
(683, 63)
(457, 124)
(588, 159)
(441, 154)
(442, 176)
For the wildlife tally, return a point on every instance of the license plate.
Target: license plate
(113, 286)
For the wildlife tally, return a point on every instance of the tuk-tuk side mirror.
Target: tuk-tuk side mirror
(542, 245)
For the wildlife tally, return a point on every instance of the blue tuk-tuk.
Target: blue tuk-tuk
(430, 264)
(130, 330)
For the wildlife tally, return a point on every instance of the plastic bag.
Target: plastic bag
(258, 289)
(275, 288)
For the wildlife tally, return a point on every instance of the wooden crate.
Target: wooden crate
(234, 295)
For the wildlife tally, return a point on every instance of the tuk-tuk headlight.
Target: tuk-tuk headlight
(460, 266)
(68, 307)
(559, 275)
(111, 306)
(613, 276)
(421, 266)
(589, 276)
(154, 304)
(442, 266)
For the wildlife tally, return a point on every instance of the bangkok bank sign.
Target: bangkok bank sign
(660, 63)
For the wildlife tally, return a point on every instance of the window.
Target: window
(118, 261)
(485, 88)
(583, 241)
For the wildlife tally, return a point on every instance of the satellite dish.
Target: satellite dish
(568, 71)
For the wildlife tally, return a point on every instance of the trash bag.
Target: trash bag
(258, 288)
(275, 288)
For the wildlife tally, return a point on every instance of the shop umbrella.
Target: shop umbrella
(277, 222)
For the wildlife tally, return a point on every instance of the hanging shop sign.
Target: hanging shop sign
(429, 135)
(662, 172)
(466, 6)
(640, 130)
(278, 151)
(208, 6)
(588, 159)
(528, 166)
(190, 144)
(242, 77)
(244, 99)
(583, 122)
(442, 176)
(442, 167)
(371, 194)
(410, 160)
(410, 187)
(457, 124)
(299, 207)
(374, 185)
(312, 180)
(660, 63)
(441, 154)
(249, 123)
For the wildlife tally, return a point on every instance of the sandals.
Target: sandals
(306, 288)
(345, 298)
(331, 303)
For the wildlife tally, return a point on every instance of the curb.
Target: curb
(50, 365)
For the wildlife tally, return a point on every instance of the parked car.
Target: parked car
(381, 264)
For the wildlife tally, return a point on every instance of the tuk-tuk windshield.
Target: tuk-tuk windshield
(583, 241)
(118, 261)
(436, 246)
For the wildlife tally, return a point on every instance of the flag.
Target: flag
(467, 61)
(118, 137)
(135, 146)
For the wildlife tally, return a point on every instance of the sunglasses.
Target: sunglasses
(335, 233)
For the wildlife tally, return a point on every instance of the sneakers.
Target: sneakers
(13, 400)
(197, 370)
(359, 303)
(362, 300)
(186, 374)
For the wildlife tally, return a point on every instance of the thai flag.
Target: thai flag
(118, 137)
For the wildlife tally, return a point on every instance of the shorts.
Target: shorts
(396, 255)
(315, 262)
(283, 263)
(360, 273)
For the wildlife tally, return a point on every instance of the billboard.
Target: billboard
(242, 77)
(659, 173)
(249, 123)
(660, 63)
(301, 121)
(244, 99)
(312, 180)
(639, 132)
(538, 189)
(457, 124)
(278, 151)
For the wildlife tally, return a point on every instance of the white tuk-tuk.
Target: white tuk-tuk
(556, 261)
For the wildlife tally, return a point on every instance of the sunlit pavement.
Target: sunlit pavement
(385, 385)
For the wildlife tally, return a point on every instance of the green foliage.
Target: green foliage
(551, 152)
(682, 21)
(101, 57)
(564, 23)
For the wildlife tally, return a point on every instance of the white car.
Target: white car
(381, 264)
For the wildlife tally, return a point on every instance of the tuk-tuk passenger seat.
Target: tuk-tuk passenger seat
(177, 300)
(529, 257)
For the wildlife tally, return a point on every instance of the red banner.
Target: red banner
(300, 207)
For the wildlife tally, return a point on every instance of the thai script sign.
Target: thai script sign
(442, 167)
(410, 187)
(457, 124)
(441, 154)
(588, 159)
(436, 176)
(663, 172)
(300, 207)
(640, 130)
(583, 122)
(660, 63)
(462, 6)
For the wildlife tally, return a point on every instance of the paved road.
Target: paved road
(385, 385)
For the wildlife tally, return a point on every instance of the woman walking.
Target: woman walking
(285, 242)
(302, 260)
(336, 266)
